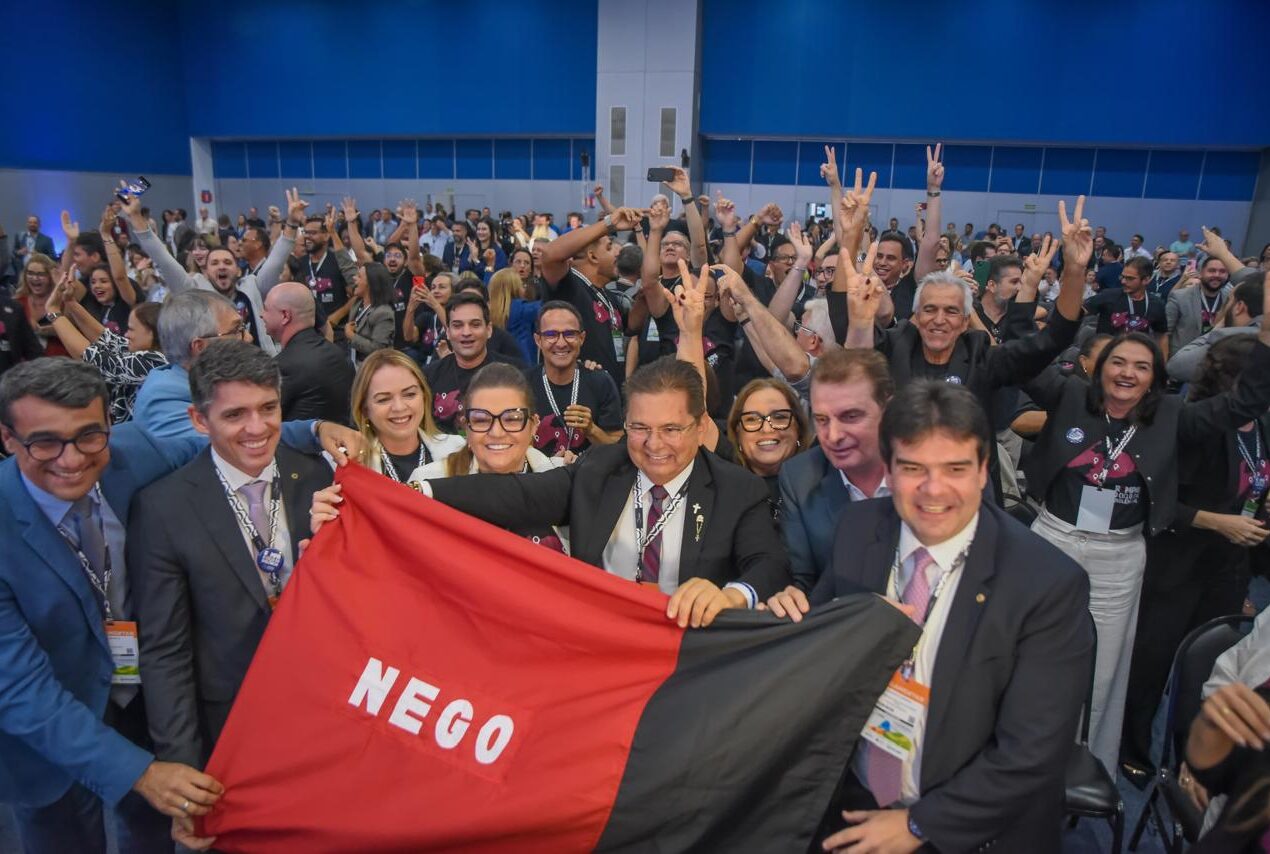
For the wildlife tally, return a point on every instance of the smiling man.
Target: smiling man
(991, 693)
(468, 332)
(211, 548)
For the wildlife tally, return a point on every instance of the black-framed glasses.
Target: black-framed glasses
(827, 272)
(570, 336)
(45, 449)
(482, 420)
(788, 259)
(779, 419)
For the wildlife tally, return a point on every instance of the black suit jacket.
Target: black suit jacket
(201, 607)
(1011, 674)
(317, 377)
(738, 540)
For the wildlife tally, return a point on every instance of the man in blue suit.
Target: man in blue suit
(72, 726)
(849, 390)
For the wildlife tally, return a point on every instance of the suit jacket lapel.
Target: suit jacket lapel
(295, 503)
(698, 503)
(608, 512)
(835, 496)
(48, 544)
(879, 555)
(212, 509)
(959, 629)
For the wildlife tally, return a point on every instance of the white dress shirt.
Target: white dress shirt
(621, 555)
(945, 555)
(282, 538)
(857, 494)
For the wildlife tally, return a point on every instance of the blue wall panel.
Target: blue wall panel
(1119, 172)
(1015, 170)
(1230, 176)
(512, 159)
(968, 167)
(551, 160)
(578, 147)
(229, 159)
(727, 161)
(399, 158)
(910, 167)
(364, 159)
(1174, 174)
(296, 159)
(968, 43)
(330, 159)
(1068, 171)
(871, 157)
(811, 156)
(262, 159)
(474, 158)
(436, 158)
(775, 162)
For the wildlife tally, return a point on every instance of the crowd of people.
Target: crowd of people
(1051, 451)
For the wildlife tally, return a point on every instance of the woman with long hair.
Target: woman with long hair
(509, 310)
(1105, 471)
(489, 256)
(196, 252)
(392, 409)
(498, 411)
(374, 322)
(767, 426)
(423, 327)
(522, 261)
(35, 287)
(104, 302)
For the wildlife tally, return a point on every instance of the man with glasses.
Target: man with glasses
(576, 407)
(73, 730)
(468, 332)
(656, 509)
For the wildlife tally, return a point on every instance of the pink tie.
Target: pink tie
(884, 772)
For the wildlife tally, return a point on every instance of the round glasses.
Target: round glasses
(45, 449)
(779, 419)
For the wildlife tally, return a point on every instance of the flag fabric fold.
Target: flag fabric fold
(432, 683)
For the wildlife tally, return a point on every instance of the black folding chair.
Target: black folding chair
(1192, 665)
(1089, 791)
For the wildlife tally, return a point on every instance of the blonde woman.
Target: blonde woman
(392, 409)
(509, 310)
(35, 287)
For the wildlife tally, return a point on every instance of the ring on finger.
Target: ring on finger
(185, 806)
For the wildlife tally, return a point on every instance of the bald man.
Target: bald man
(316, 374)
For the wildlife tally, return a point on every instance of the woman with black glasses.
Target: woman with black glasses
(498, 412)
(767, 426)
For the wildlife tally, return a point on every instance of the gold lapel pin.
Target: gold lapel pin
(295, 476)
(980, 598)
(701, 520)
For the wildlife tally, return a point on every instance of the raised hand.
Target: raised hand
(329, 219)
(275, 213)
(688, 305)
(658, 215)
(856, 201)
(829, 169)
(1078, 237)
(1212, 244)
(680, 186)
(864, 297)
(625, 219)
(69, 227)
(409, 210)
(350, 208)
(598, 191)
(771, 214)
(934, 168)
(295, 206)
(725, 212)
(802, 246)
(107, 225)
(1035, 265)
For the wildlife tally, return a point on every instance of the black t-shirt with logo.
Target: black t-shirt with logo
(1130, 508)
(113, 316)
(327, 284)
(1118, 313)
(596, 391)
(401, 286)
(448, 382)
(431, 331)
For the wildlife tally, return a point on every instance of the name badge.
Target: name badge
(1096, 505)
(619, 345)
(892, 726)
(121, 635)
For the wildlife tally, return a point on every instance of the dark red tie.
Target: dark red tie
(650, 560)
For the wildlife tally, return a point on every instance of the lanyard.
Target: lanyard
(893, 592)
(1208, 312)
(1113, 453)
(263, 549)
(642, 538)
(312, 273)
(555, 407)
(361, 312)
(598, 295)
(100, 584)
(1146, 305)
(1253, 460)
(391, 470)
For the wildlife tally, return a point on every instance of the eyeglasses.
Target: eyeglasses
(482, 420)
(48, 448)
(798, 327)
(788, 259)
(551, 336)
(236, 331)
(827, 272)
(666, 432)
(779, 419)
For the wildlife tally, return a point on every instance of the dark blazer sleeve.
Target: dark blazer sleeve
(1036, 724)
(1198, 421)
(1017, 361)
(1020, 321)
(507, 500)
(794, 533)
(1046, 390)
(761, 561)
(161, 599)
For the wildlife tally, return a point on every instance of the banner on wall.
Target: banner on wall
(430, 682)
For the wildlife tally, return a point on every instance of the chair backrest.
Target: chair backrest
(1192, 665)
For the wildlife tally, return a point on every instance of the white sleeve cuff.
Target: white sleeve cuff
(751, 597)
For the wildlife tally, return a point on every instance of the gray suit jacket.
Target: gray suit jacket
(1183, 313)
(1184, 363)
(200, 605)
(812, 496)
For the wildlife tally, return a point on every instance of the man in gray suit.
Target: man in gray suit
(1192, 310)
(1242, 316)
(849, 390)
(211, 547)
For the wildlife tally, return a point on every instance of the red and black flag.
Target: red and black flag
(430, 682)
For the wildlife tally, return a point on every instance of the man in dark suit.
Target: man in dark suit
(993, 689)
(72, 725)
(30, 242)
(317, 375)
(211, 547)
(849, 390)
(655, 508)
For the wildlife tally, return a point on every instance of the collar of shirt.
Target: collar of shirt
(857, 494)
(645, 483)
(237, 478)
(54, 508)
(945, 553)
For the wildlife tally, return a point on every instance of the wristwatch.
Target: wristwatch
(932, 194)
(47, 320)
(914, 829)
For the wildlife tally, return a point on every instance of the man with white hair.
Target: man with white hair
(937, 343)
(815, 331)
